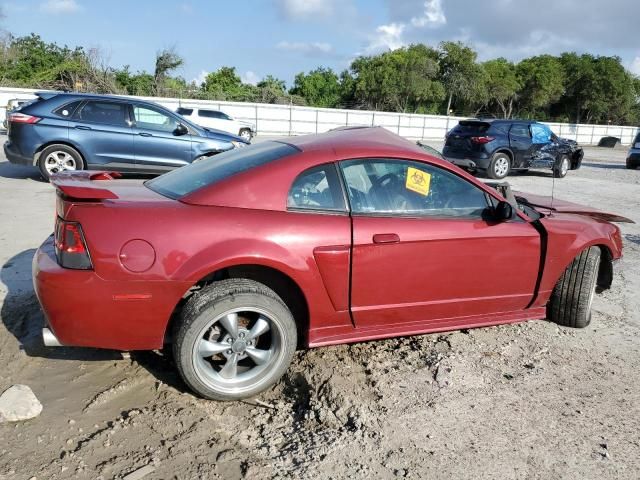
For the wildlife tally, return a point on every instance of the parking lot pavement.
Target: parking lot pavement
(529, 400)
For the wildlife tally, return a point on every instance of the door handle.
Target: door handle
(82, 127)
(386, 238)
(144, 134)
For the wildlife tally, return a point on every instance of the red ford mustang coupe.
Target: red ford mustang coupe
(341, 237)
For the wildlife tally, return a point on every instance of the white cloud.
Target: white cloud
(634, 66)
(387, 37)
(200, 78)
(312, 48)
(306, 9)
(186, 8)
(250, 77)
(391, 36)
(433, 15)
(60, 6)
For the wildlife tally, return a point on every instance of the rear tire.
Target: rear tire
(57, 158)
(245, 133)
(570, 303)
(234, 339)
(499, 167)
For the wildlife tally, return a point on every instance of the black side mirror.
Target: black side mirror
(503, 211)
(180, 130)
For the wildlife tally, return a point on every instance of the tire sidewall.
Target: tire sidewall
(558, 173)
(187, 342)
(63, 148)
(491, 172)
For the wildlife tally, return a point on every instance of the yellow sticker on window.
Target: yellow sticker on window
(418, 181)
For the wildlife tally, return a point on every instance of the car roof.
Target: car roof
(273, 180)
(357, 142)
(92, 96)
(499, 120)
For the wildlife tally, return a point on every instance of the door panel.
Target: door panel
(156, 145)
(521, 144)
(440, 268)
(100, 128)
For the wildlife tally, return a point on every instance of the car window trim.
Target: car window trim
(345, 210)
(74, 116)
(487, 195)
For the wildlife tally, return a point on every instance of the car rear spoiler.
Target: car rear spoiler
(84, 185)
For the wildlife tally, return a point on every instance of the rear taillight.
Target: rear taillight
(482, 140)
(23, 118)
(71, 248)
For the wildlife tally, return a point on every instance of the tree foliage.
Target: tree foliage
(415, 79)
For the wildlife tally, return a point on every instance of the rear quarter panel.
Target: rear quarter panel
(191, 242)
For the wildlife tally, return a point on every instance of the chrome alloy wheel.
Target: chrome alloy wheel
(564, 166)
(59, 161)
(236, 350)
(501, 167)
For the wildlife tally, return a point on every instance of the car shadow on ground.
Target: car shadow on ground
(618, 166)
(19, 172)
(632, 238)
(23, 318)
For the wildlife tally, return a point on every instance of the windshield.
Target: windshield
(186, 180)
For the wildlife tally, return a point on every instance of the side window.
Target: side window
(211, 114)
(184, 111)
(152, 119)
(68, 109)
(317, 189)
(402, 187)
(520, 130)
(108, 113)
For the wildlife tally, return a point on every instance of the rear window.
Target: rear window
(184, 111)
(636, 142)
(186, 180)
(475, 128)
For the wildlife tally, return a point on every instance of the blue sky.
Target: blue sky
(284, 37)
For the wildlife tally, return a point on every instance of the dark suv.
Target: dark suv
(496, 147)
(69, 131)
(633, 158)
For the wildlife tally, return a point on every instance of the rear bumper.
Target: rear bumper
(82, 309)
(14, 156)
(469, 162)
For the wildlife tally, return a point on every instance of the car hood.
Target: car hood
(221, 136)
(540, 202)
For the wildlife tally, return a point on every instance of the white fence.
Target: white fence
(284, 120)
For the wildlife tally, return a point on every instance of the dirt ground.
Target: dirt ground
(523, 401)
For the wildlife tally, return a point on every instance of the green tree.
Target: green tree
(542, 84)
(502, 85)
(461, 76)
(167, 61)
(225, 84)
(139, 83)
(319, 88)
(400, 80)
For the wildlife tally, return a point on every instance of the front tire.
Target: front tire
(572, 297)
(58, 158)
(234, 339)
(499, 167)
(564, 165)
